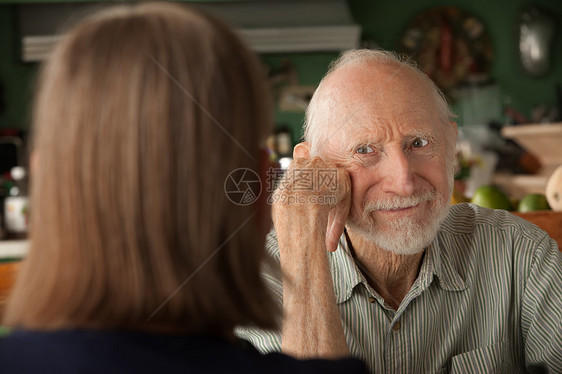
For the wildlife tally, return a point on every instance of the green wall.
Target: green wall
(382, 21)
(310, 67)
(16, 76)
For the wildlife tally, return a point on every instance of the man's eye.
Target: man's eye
(419, 143)
(365, 149)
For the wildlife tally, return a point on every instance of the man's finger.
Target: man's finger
(336, 224)
(301, 150)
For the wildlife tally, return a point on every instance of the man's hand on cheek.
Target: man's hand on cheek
(312, 198)
(310, 208)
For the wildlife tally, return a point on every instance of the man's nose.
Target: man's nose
(398, 173)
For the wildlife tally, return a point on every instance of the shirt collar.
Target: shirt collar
(346, 275)
(439, 263)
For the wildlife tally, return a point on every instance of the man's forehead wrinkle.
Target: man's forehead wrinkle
(359, 99)
(364, 104)
(392, 114)
(378, 130)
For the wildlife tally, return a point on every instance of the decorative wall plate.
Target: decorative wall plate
(450, 45)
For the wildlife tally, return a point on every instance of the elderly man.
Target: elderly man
(378, 264)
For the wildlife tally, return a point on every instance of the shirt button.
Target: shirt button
(396, 326)
(371, 299)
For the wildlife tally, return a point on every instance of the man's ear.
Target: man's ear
(455, 126)
(302, 150)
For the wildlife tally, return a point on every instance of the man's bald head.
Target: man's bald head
(339, 94)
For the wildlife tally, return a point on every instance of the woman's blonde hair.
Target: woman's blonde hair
(141, 114)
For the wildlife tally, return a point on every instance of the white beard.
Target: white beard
(404, 236)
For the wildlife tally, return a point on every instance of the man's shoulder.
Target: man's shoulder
(474, 241)
(467, 219)
(472, 234)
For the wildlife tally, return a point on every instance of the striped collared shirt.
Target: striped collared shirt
(488, 299)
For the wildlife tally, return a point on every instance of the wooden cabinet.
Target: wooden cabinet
(11, 252)
(549, 221)
(8, 272)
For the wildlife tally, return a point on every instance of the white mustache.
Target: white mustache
(400, 202)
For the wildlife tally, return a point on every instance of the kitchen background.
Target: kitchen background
(494, 90)
(382, 22)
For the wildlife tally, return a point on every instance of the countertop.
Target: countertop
(13, 249)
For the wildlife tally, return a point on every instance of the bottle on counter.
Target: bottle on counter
(16, 205)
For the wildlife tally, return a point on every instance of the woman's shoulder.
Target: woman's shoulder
(252, 361)
(90, 351)
(281, 363)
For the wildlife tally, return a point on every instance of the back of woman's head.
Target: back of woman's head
(140, 115)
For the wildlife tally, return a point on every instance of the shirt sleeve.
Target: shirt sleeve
(541, 309)
(267, 341)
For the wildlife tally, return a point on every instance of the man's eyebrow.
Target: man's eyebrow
(371, 139)
(423, 134)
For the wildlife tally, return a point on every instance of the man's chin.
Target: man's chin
(400, 243)
(404, 247)
(400, 235)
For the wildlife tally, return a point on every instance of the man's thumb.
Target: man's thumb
(302, 150)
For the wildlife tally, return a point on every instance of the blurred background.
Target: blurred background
(498, 62)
